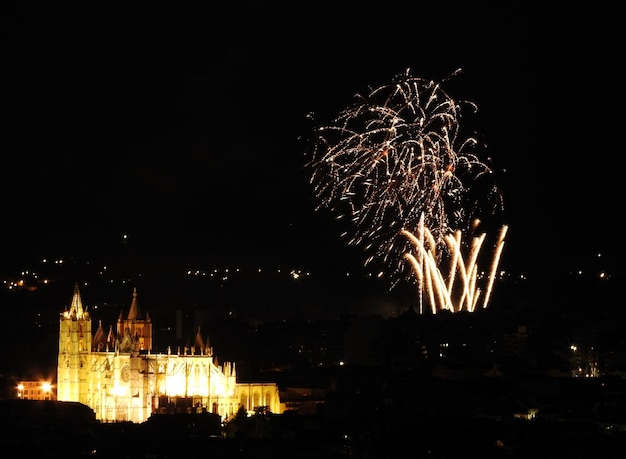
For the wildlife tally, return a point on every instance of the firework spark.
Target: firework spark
(460, 289)
(396, 165)
(394, 158)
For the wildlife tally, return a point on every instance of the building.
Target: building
(35, 390)
(116, 374)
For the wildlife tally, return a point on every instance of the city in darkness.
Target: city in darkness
(292, 183)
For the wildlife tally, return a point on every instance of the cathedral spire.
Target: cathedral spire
(134, 313)
(199, 341)
(76, 308)
(98, 342)
(138, 329)
(110, 339)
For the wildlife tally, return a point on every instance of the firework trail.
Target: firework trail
(460, 289)
(394, 158)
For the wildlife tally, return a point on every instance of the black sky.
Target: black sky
(186, 127)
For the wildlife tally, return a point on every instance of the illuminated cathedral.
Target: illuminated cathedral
(116, 374)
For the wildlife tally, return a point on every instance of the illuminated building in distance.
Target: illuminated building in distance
(35, 390)
(116, 374)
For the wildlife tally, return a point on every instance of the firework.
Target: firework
(460, 289)
(395, 160)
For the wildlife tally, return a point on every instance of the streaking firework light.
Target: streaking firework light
(396, 161)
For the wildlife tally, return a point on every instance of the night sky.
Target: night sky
(186, 128)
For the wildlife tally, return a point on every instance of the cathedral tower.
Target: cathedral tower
(74, 352)
(135, 331)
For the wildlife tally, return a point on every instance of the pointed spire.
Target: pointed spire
(134, 313)
(99, 339)
(110, 337)
(207, 345)
(199, 341)
(76, 308)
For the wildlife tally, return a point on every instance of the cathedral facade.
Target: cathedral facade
(118, 376)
